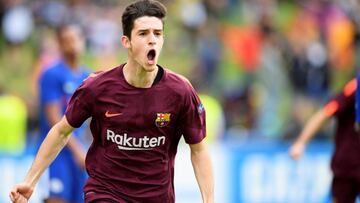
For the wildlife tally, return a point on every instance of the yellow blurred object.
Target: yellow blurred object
(214, 118)
(12, 124)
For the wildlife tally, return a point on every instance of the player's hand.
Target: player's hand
(21, 193)
(296, 150)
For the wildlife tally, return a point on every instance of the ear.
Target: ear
(125, 41)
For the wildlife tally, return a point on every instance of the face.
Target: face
(71, 42)
(147, 39)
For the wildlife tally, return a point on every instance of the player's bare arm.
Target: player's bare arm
(309, 131)
(201, 162)
(55, 140)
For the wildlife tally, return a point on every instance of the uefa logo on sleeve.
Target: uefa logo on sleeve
(201, 108)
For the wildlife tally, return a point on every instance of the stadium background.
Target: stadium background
(262, 67)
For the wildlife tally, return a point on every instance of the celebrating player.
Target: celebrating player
(139, 111)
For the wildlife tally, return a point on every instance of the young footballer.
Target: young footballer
(139, 111)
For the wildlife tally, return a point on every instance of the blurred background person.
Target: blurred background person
(345, 163)
(57, 84)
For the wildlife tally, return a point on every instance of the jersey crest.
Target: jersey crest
(162, 119)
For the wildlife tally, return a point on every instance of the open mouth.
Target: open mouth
(151, 55)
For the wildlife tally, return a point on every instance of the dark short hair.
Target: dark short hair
(139, 9)
(65, 27)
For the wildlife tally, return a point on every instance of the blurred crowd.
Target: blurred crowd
(261, 67)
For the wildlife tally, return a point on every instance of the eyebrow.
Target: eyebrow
(145, 30)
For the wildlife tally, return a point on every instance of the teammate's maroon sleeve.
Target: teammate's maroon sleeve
(342, 101)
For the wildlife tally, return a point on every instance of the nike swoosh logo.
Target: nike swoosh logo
(109, 115)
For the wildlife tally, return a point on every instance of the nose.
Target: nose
(152, 39)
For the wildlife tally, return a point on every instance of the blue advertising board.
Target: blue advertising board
(263, 172)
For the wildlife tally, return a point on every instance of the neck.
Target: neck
(137, 76)
(72, 62)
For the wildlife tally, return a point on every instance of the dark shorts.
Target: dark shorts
(345, 189)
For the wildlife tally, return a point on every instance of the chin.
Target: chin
(150, 68)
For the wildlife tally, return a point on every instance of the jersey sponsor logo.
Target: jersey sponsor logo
(109, 115)
(162, 119)
(126, 142)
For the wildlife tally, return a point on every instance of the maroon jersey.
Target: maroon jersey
(136, 132)
(346, 158)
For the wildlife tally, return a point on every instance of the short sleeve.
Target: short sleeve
(342, 101)
(192, 118)
(79, 108)
(50, 87)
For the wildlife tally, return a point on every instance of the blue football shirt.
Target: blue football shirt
(57, 84)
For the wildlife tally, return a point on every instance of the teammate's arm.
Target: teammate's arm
(53, 113)
(201, 162)
(309, 131)
(55, 140)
